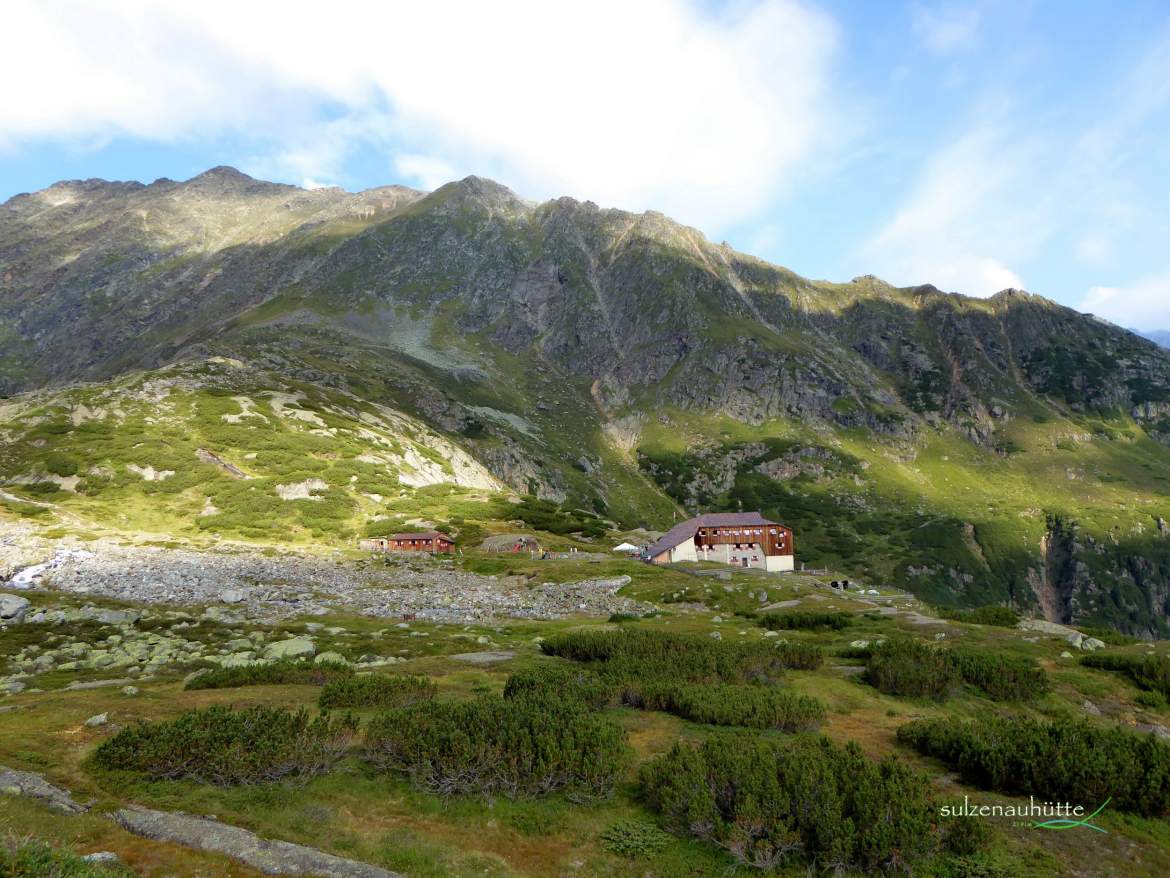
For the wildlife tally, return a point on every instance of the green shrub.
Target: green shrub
(1004, 678)
(1066, 760)
(528, 745)
(1003, 617)
(805, 619)
(804, 801)
(30, 858)
(61, 464)
(1150, 672)
(375, 690)
(285, 671)
(854, 652)
(227, 747)
(638, 654)
(1152, 700)
(634, 838)
(906, 667)
(560, 681)
(757, 707)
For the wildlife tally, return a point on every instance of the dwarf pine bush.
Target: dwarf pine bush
(226, 747)
(805, 619)
(911, 668)
(1004, 678)
(1148, 672)
(375, 690)
(757, 707)
(806, 801)
(527, 745)
(561, 681)
(1067, 760)
(284, 671)
(1003, 617)
(921, 670)
(652, 655)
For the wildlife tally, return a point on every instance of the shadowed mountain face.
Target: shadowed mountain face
(625, 364)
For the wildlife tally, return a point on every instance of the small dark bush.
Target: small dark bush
(1004, 678)
(228, 747)
(911, 668)
(1066, 760)
(61, 464)
(806, 620)
(374, 690)
(521, 746)
(30, 858)
(285, 671)
(560, 681)
(634, 838)
(805, 801)
(1148, 672)
(1003, 617)
(757, 707)
(638, 654)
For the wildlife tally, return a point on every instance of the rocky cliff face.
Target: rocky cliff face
(598, 356)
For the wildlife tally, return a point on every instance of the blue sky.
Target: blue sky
(973, 145)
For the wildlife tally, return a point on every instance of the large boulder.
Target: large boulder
(295, 647)
(13, 608)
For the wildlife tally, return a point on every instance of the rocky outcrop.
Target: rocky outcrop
(33, 786)
(268, 857)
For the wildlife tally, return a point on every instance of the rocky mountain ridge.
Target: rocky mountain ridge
(624, 364)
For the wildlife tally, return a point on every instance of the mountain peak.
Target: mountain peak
(223, 173)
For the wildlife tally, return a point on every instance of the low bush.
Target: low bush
(1150, 672)
(805, 620)
(375, 690)
(906, 667)
(757, 707)
(810, 802)
(285, 671)
(1065, 760)
(1004, 678)
(30, 858)
(634, 838)
(227, 747)
(521, 746)
(1003, 617)
(560, 681)
(640, 654)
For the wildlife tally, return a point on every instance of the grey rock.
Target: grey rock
(294, 647)
(129, 690)
(33, 786)
(1091, 709)
(97, 684)
(100, 857)
(269, 857)
(13, 607)
(334, 658)
(488, 657)
(233, 596)
(96, 720)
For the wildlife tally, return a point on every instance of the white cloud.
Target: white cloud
(426, 171)
(963, 223)
(1144, 304)
(704, 115)
(947, 28)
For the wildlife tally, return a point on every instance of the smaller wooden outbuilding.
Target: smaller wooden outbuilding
(430, 541)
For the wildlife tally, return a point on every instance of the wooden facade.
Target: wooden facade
(434, 541)
(739, 539)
